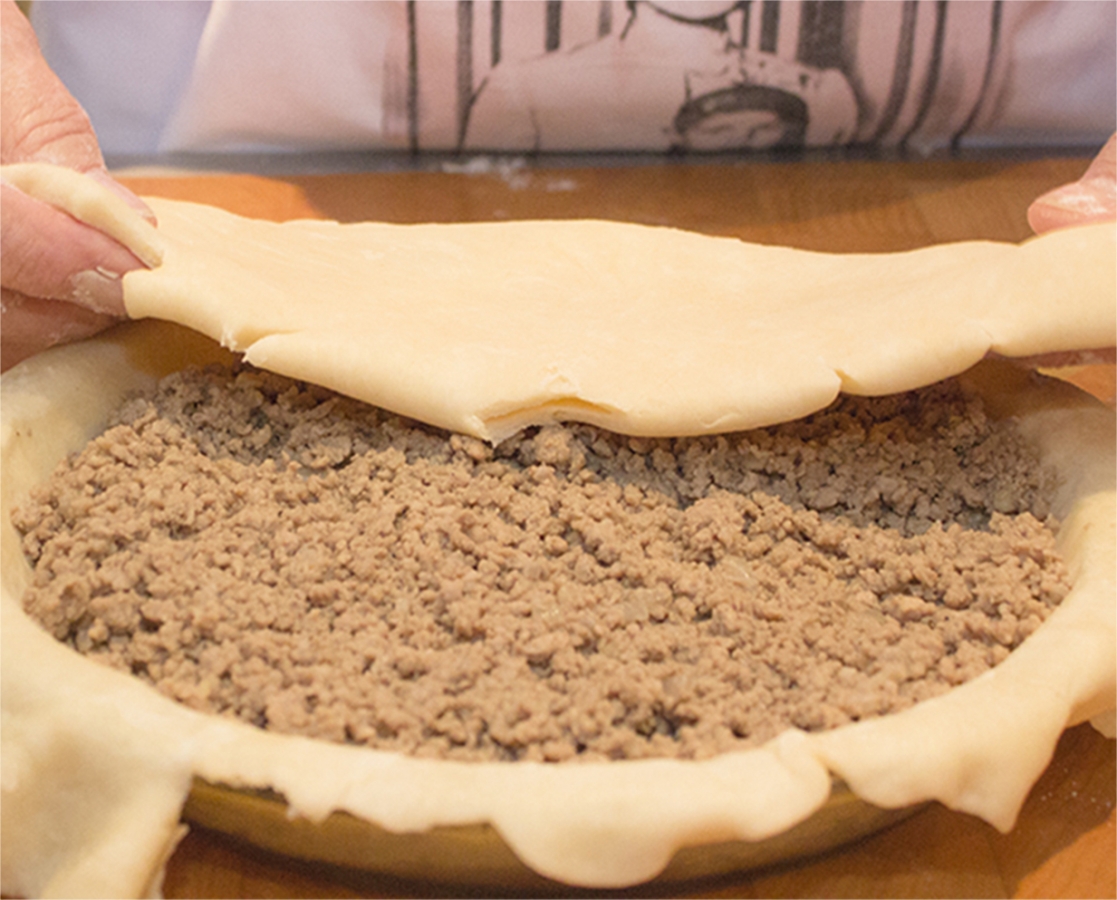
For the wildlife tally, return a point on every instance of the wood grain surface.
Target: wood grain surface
(1064, 843)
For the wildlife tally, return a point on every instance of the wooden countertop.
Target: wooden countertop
(1065, 843)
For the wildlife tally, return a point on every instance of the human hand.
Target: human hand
(1093, 198)
(59, 278)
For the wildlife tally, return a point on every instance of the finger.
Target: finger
(102, 177)
(39, 119)
(32, 325)
(46, 253)
(1093, 198)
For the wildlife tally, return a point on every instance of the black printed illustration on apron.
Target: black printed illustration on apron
(703, 75)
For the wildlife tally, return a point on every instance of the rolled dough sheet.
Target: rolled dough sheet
(486, 328)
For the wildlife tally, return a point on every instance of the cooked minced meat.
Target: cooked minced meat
(264, 549)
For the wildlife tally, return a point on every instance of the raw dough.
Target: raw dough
(485, 328)
(87, 201)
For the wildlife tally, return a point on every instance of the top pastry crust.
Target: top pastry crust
(641, 330)
(96, 765)
(486, 328)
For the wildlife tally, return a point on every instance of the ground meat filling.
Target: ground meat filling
(266, 550)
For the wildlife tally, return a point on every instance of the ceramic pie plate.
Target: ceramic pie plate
(98, 768)
(476, 856)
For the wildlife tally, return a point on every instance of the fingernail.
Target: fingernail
(1081, 199)
(99, 290)
(106, 180)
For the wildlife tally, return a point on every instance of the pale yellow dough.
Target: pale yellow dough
(87, 201)
(486, 328)
(96, 766)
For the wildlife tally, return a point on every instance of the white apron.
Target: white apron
(586, 75)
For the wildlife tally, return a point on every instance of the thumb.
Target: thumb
(44, 253)
(1092, 198)
(40, 120)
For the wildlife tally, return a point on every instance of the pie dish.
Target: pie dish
(96, 767)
